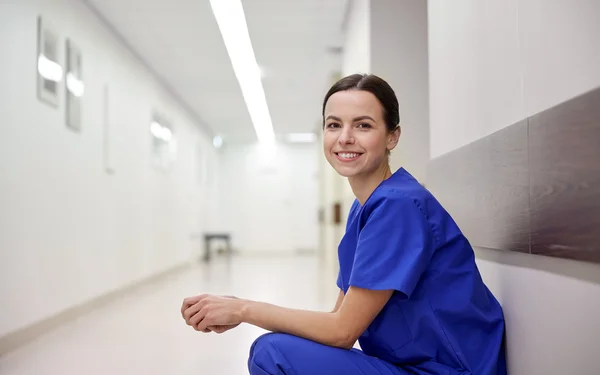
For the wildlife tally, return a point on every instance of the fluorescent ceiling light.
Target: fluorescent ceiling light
(217, 142)
(49, 70)
(156, 129)
(74, 85)
(166, 134)
(232, 23)
(161, 132)
(301, 137)
(263, 72)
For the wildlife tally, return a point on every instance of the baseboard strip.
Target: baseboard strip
(19, 338)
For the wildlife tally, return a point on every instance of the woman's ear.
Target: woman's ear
(393, 138)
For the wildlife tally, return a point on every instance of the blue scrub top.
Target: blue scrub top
(441, 318)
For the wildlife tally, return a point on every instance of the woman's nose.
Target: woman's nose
(346, 137)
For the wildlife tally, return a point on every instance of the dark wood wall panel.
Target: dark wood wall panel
(564, 145)
(533, 186)
(484, 186)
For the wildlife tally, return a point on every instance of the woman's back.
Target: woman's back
(441, 317)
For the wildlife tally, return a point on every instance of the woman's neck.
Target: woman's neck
(363, 186)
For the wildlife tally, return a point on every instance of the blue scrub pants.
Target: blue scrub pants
(283, 354)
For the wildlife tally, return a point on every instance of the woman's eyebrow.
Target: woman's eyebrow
(354, 120)
(364, 118)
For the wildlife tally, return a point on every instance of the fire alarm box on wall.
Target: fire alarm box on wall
(337, 213)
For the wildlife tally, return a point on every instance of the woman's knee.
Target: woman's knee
(268, 344)
(283, 354)
(268, 353)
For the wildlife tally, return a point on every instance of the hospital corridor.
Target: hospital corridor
(278, 187)
(140, 331)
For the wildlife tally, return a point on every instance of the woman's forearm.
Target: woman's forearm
(321, 327)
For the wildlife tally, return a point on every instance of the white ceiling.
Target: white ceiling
(180, 41)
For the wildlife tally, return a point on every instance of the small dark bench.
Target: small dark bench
(216, 236)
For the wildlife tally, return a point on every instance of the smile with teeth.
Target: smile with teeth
(347, 155)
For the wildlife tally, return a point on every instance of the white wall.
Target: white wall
(356, 58)
(399, 55)
(492, 64)
(70, 231)
(269, 199)
(357, 42)
(551, 307)
(387, 38)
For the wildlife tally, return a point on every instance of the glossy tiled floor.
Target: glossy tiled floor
(143, 333)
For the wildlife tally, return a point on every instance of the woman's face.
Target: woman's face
(355, 137)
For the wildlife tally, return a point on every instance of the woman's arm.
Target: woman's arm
(340, 328)
(338, 303)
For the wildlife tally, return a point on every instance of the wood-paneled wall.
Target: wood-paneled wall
(531, 187)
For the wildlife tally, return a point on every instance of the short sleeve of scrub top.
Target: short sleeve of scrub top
(394, 246)
(351, 215)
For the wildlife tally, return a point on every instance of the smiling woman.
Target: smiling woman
(410, 291)
(361, 127)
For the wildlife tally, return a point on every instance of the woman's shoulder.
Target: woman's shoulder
(400, 189)
(403, 196)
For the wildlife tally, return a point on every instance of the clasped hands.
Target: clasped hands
(210, 313)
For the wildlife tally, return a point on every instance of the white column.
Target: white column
(387, 38)
(335, 189)
(399, 55)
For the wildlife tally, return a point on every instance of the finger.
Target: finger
(202, 327)
(221, 329)
(184, 306)
(204, 323)
(193, 310)
(206, 309)
(190, 301)
(194, 299)
(187, 302)
(197, 318)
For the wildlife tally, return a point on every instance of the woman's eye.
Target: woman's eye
(333, 125)
(364, 125)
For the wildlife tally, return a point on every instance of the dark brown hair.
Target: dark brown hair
(376, 86)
